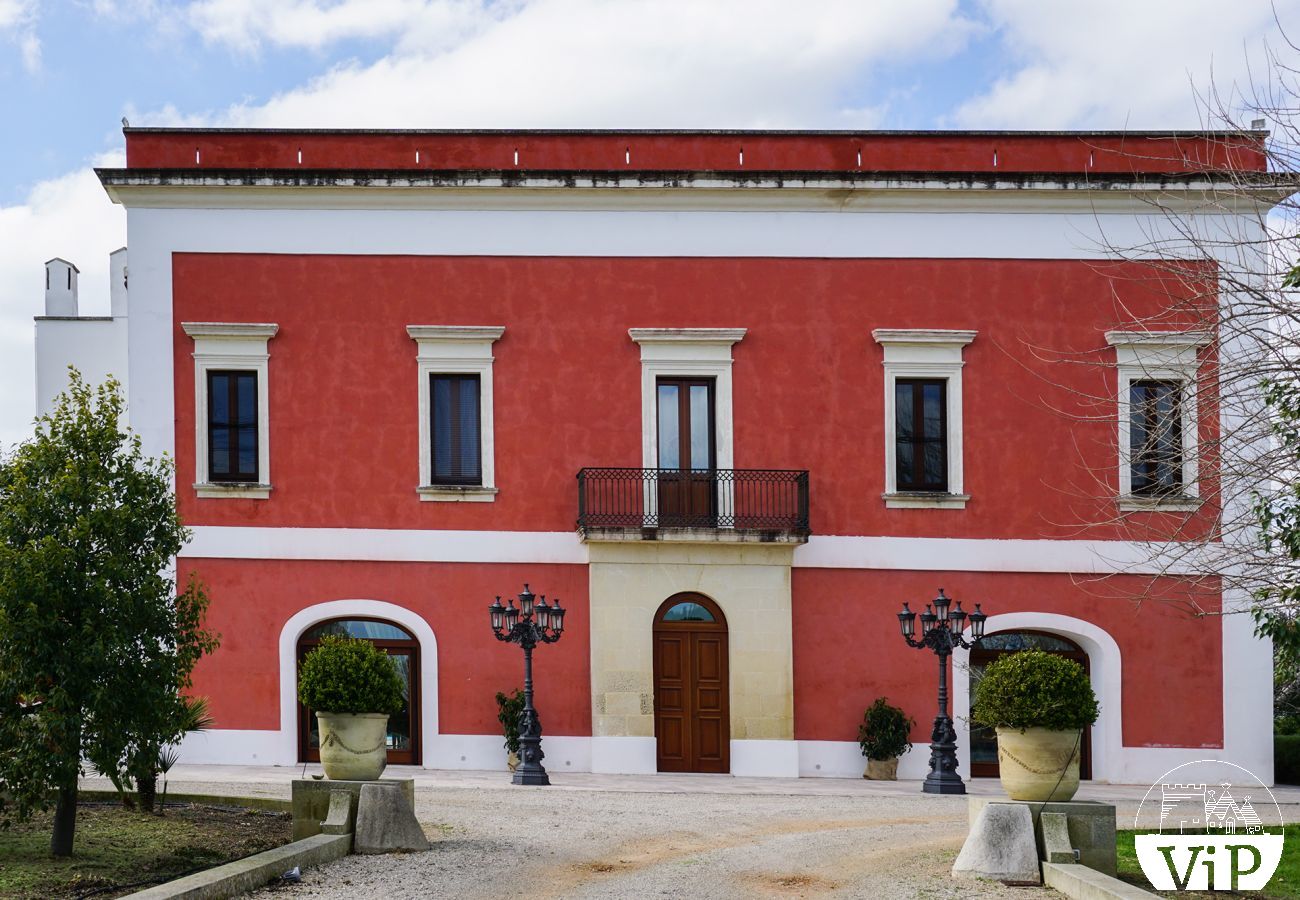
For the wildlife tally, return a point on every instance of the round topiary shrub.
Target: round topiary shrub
(349, 675)
(884, 731)
(1034, 689)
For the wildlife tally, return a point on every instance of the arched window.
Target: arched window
(404, 650)
(688, 611)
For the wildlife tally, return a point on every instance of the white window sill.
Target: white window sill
(924, 500)
(233, 491)
(457, 493)
(1130, 503)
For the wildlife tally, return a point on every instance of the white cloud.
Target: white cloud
(1117, 63)
(246, 24)
(18, 24)
(69, 217)
(587, 63)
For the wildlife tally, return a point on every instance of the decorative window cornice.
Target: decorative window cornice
(231, 330)
(456, 333)
(923, 336)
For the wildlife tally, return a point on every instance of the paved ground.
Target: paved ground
(699, 836)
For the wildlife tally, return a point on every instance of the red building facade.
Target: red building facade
(804, 377)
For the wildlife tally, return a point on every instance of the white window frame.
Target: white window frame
(238, 346)
(687, 353)
(456, 350)
(925, 353)
(1159, 356)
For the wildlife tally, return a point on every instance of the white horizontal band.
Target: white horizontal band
(821, 551)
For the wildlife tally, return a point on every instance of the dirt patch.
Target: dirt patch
(796, 884)
(118, 851)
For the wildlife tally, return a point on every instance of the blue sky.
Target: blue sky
(71, 69)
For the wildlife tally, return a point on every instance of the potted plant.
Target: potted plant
(1039, 703)
(883, 736)
(353, 687)
(509, 709)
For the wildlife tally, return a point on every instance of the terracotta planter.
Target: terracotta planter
(512, 760)
(882, 769)
(353, 747)
(1038, 764)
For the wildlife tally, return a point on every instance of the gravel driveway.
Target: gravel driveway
(548, 843)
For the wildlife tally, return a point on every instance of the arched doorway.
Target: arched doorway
(984, 741)
(692, 687)
(398, 643)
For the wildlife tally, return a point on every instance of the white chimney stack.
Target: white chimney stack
(117, 282)
(60, 288)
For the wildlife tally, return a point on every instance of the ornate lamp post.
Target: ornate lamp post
(528, 624)
(941, 631)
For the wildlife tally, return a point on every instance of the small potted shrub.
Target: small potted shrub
(352, 687)
(509, 709)
(883, 736)
(1039, 703)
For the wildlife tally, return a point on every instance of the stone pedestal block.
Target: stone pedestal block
(1089, 825)
(386, 821)
(1000, 846)
(312, 805)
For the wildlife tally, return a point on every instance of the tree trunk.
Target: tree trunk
(65, 821)
(146, 787)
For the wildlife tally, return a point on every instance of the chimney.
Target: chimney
(117, 282)
(60, 288)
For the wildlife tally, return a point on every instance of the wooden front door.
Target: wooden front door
(692, 689)
(686, 452)
(983, 740)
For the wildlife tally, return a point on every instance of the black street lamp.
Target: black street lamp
(528, 624)
(941, 631)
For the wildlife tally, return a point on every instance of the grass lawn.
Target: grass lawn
(117, 847)
(1285, 882)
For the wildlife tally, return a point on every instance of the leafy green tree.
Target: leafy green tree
(96, 644)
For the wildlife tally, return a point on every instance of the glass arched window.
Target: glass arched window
(1014, 641)
(688, 612)
(368, 629)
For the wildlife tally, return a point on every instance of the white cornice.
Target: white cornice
(923, 336)
(756, 194)
(686, 335)
(455, 332)
(231, 330)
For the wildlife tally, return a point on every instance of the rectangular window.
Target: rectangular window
(232, 426)
(921, 434)
(1155, 434)
(456, 430)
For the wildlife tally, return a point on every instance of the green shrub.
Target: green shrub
(509, 709)
(1034, 689)
(884, 731)
(349, 675)
(1286, 758)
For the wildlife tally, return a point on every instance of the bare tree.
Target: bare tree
(1217, 249)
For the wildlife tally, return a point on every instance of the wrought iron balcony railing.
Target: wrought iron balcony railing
(765, 500)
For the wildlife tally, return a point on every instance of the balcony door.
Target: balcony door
(687, 452)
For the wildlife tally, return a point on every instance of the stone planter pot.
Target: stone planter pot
(512, 760)
(353, 746)
(1030, 763)
(882, 769)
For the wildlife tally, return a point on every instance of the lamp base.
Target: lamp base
(943, 786)
(535, 778)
